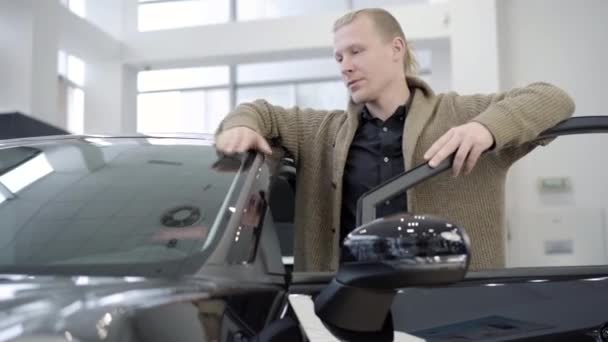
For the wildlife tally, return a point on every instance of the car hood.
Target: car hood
(53, 306)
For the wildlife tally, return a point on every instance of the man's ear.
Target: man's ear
(399, 48)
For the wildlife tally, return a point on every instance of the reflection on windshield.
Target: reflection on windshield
(82, 202)
(26, 159)
(26, 173)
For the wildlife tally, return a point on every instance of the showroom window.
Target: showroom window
(163, 15)
(266, 9)
(195, 100)
(305, 83)
(186, 100)
(77, 7)
(72, 77)
(172, 14)
(182, 78)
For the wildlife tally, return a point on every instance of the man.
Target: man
(395, 121)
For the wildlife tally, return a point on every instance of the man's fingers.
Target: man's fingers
(445, 151)
(474, 155)
(263, 145)
(220, 142)
(230, 144)
(430, 153)
(240, 140)
(240, 145)
(237, 142)
(461, 156)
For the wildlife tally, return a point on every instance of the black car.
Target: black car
(162, 239)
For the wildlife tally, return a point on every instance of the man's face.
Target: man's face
(368, 62)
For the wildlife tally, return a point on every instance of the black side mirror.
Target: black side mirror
(387, 254)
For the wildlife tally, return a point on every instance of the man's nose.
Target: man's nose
(346, 66)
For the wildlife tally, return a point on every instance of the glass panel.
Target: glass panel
(153, 109)
(13, 157)
(161, 112)
(556, 204)
(357, 4)
(140, 203)
(287, 70)
(196, 111)
(322, 95)
(75, 122)
(78, 7)
(168, 79)
(76, 70)
(426, 78)
(25, 173)
(283, 95)
(62, 63)
(176, 14)
(191, 116)
(264, 9)
(217, 105)
(424, 58)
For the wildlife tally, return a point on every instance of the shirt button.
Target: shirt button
(387, 202)
(385, 129)
(386, 159)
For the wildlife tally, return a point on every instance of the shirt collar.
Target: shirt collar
(400, 112)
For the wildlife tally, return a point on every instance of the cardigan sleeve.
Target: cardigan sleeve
(293, 128)
(517, 116)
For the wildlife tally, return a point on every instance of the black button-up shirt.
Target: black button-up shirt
(375, 156)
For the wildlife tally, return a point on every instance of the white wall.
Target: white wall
(31, 33)
(129, 100)
(441, 61)
(103, 57)
(45, 40)
(562, 42)
(15, 56)
(107, 15)
(473, 43)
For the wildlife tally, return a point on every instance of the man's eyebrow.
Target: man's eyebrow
(348, 47)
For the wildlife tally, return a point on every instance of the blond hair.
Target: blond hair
(388, 27)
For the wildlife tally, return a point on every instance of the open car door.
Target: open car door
(412, 284)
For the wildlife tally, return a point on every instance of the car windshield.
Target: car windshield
(117, 202)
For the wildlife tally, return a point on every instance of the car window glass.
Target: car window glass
(556, 204)
(109, 201)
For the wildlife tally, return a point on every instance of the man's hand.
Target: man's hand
(470, 139)
(241, 139)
